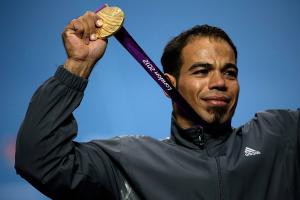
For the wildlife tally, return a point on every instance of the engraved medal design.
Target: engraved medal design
(112, 18)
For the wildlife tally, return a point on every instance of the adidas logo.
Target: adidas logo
(251, 152)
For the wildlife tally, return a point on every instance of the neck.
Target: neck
(212, 128)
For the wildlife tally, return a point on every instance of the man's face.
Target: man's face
(208, 79)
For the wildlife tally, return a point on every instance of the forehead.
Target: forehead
(207, 49)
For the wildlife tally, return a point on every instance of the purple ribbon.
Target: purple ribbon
(141, 57)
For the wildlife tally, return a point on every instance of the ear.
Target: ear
(172, 79)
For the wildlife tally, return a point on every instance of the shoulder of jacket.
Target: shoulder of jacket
(278, 115)
(274, 121)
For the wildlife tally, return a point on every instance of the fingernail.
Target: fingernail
(93, 37)
(99, 23)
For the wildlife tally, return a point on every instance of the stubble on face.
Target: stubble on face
(217, 114)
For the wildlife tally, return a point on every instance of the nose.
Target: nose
(217, 82)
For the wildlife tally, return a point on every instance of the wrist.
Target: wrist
(78, 67)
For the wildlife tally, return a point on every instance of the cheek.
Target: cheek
(190, 88)
(184, 87)
(235, 92)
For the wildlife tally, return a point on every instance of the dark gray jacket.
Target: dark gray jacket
(258, 161)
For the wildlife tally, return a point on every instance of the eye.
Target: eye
(231, 73)
(201, 72)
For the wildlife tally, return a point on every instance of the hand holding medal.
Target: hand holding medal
(85, 38)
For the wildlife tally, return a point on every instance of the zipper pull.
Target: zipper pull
(201, 138)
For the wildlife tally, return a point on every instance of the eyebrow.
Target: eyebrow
(231, 65)
(210, 66)
(200, 64)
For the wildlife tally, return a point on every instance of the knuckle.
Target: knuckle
(72, 23)
(89, 13)
(64, 34)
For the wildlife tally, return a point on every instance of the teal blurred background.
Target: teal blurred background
(121, 98)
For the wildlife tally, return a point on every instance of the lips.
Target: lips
(217, 100)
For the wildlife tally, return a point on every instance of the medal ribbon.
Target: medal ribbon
(141, 57)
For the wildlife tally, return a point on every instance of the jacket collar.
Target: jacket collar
(199, 137)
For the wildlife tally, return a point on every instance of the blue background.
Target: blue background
(121, 98)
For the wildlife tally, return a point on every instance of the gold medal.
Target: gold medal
(112, 18)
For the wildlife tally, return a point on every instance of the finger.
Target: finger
(74, 27)
(78, 28)
(99, 23)
(69, 29)
(94, 22)
(86, 32)
(91, 18)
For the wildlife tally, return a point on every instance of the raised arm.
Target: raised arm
(46, 155)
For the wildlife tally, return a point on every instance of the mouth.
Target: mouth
(217, 100)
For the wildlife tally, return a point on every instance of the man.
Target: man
(259, 160)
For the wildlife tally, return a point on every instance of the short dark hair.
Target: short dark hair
(171, 58)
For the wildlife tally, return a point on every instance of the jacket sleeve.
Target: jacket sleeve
(286, 124)
(46, 155)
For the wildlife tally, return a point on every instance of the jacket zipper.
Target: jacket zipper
(201, 138)
(202, 141)
(220, 178)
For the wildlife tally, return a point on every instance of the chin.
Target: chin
(217, 115)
